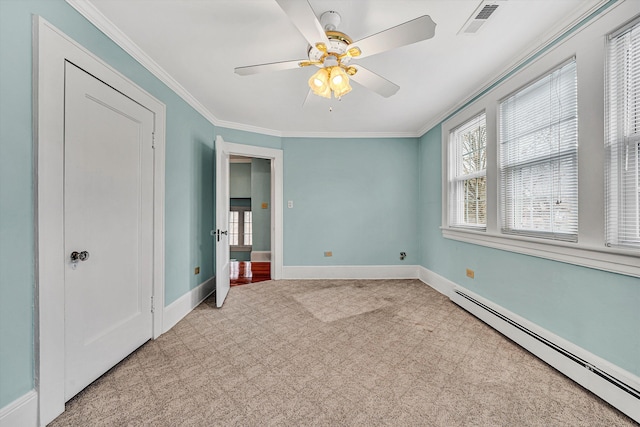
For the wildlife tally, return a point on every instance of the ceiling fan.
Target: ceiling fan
(332, 51)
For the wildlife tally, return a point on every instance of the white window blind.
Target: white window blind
(539, 157)
(468, 174)
(622, 142)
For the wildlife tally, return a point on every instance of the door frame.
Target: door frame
(277, 170)
(51, 49)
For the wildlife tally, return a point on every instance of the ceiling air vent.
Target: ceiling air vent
(479, 17)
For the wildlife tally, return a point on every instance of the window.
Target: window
(240, 228)
(538, 139)
(533, 152)
(622, 144)
(468, 174)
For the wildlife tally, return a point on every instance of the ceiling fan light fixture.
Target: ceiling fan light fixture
(319, 83)
(339, 82)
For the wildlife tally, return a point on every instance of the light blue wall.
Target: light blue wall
(240, 180)
(261, 193)
(16, 206)
(596, 310)
(354, 197)
(189, 180)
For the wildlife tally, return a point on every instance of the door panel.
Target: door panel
(222, 221)
(108, 207)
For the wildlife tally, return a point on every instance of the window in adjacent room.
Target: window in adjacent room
(240, 228)
(468, 174)
(538, 140)
(622, 142)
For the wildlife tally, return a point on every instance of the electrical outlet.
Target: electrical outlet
(470, 273)
(265, 205)
(197, 270)
(290, 204)
(403, 255)
(328, 253)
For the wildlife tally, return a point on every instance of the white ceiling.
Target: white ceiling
(198, 43)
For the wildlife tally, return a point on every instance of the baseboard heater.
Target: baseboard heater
(611, 388)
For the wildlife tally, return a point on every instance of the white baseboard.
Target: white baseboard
(582, 366)
(22, 412)
(175, 311)
(436, 281)
(351, 272)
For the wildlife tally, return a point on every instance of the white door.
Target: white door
(222, 221)
(108, 209)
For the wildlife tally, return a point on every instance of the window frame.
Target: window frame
(457, 178)
(590, 249)
(506, 201)
(621, 191)
(240, 248)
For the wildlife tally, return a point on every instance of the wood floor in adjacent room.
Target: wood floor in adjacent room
(244, 272)
(334, 353)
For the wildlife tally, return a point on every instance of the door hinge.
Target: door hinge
(153, 307)
(153, 140)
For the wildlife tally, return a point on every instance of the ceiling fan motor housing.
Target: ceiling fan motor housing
(330, 20)
(338, 41)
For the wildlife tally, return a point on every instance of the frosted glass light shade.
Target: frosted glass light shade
(339, 82)
(319, 83)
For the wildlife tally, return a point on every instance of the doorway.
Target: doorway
(249, 219)
(224, 150)
(53, 50)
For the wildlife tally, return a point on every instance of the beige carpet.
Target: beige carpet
(334, 353)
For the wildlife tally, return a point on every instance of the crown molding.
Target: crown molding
(247, 128)
(551, 38)
(102, 23)
(354, 135)
(97, 18)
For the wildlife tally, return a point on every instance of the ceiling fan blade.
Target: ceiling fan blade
(274, 66)
(413, 31)
(374, 82)
(305, 20)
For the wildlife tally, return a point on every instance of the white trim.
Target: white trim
(50, 51)
(590, 250)
(178, 309)
(277, 179)
(606, 259)
(97, 18)
(577, 372)
(437, 282)
(21, 412)
(353, 135)
(351, 272)
(585, 377)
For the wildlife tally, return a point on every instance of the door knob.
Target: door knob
(219, 232)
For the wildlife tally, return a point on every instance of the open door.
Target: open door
(222, 221)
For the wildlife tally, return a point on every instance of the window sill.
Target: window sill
(615, 260)
(240, 248)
